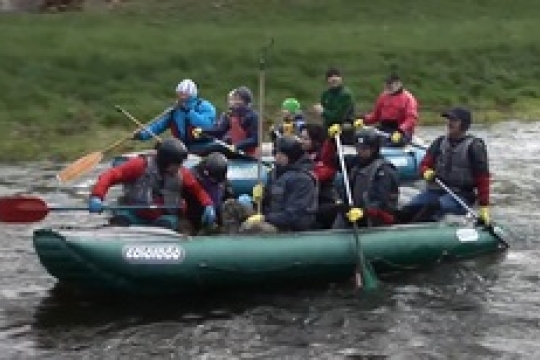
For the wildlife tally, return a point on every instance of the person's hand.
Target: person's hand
(257, 192)
(257, 218)
(483, 215)
(137, 135)
(358, 124)
(318, 108)
(209, 215)
(396, 137)
(95, 205)
(197, 132)
(334, 130)
(355, 214)
(429, 174)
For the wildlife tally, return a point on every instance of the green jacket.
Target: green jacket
(338, 105)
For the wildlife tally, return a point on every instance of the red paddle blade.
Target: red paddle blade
(22, 209)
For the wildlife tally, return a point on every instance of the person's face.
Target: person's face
(172, 169)
(364, 151)
(281, 159)
(287, 115)
(453, 127)
(236, 101)
(307, 144)
(334, 81)
(182, 97)
(392, 87)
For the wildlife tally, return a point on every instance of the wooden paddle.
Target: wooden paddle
(471, 211)
(88, 162)
(28, 209)
(139, 124)
(364, 274)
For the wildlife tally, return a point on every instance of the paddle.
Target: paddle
(88, 162)
(139, 124)
(262, 76)
(364, 275)
(27, 209)
(470, 211)
(388, 136)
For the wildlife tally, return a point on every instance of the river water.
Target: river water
(474, 310)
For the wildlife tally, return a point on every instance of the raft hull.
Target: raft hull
(155, 261)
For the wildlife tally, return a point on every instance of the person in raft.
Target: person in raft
(211, 173)
(190, 112)
(158, 179)
(289, 199)
(239, 126)
(395, 112)
(337, 106)
(373, 182)
(292, 121)
(460, 161)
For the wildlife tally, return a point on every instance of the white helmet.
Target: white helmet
(187, 86)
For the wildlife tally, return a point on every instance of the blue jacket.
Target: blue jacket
(181, 120)
(291, 197)
(249, 121)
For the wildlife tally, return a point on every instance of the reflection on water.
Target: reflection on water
(487, 308)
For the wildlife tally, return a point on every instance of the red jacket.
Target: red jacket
(134, 168)
(401, 108)
(325, 162)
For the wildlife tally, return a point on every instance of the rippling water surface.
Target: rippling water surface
(488, 308)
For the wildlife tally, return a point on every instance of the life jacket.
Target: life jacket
(362, 182)
(453, 167)
(237, 133)
(152, 188)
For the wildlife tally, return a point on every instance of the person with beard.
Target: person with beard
(322, 150)
(460, 161)
(211, 173)
(239, 126)
(158, 179)
(395, 112)
(374, 184)
(289, 198)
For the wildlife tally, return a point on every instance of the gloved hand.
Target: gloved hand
(358, 124)
(396, 137)
(288, 128)
(355, 214)
(334, 130)
(246, 201)
(137, 135)
(255, 218)
(429, 174)
(209, 215)
(95, 205)
(257, 192)
(197, 132)
(483, 214)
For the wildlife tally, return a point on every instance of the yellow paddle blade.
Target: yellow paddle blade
(80, 167)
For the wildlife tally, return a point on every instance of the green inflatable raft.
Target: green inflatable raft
(143, 260)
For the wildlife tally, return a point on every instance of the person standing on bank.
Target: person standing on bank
(460, 161)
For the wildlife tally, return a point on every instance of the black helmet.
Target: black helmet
(368, 137)
(215, 165)
(245, 94)
(459, 113)
(290, 146)
(171, 151)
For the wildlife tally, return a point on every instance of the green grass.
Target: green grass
(61, 74)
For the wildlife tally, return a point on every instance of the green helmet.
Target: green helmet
(291, 105)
